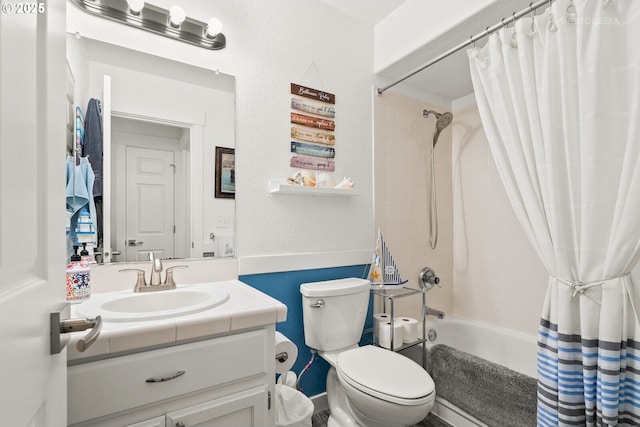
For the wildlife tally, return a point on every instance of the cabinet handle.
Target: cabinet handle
(180, 424)
(167, 378)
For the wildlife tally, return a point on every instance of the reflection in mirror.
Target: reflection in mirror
(150, 176)
(162, 121)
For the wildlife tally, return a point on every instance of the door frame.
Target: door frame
(192, 165)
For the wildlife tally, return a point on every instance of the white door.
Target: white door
(150, 212)
(32, 211)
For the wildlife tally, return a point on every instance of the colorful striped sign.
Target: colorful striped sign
(313, 136)
(310, 93)
(313, 163)
(312, 150)
(314, 122)
(313, 107)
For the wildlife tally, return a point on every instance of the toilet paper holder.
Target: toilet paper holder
(282, 356)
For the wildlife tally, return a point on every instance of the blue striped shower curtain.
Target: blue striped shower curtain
(559, 98)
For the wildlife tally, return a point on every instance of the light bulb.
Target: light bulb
(135, 6)
(214, 27)
(176, 16)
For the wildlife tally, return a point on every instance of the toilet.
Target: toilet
(366, 386)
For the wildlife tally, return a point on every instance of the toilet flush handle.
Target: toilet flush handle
(318, 304)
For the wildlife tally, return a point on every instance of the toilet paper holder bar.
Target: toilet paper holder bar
(282, 356)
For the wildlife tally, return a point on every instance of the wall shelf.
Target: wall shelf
(281, 187)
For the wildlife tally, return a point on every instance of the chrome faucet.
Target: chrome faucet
(155, 281)
(428, 311)
(156, 270)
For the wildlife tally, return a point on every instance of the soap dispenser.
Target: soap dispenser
(85, 256)
(78, 278)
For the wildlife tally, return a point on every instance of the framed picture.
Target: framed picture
(225, 173)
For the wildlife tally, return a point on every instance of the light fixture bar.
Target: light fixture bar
(155, 20)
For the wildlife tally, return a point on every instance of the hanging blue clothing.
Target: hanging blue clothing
(80, 181)
(92, 146)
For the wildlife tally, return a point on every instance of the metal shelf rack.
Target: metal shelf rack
(389, 295)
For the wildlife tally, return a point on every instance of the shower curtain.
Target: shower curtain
(559, 99)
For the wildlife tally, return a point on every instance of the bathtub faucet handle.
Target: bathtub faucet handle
(428, 279)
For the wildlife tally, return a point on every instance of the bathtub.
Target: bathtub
(513, 350)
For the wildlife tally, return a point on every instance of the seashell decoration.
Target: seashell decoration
(303, 178)
(346, 183)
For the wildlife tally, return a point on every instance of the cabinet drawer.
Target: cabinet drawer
(108, 386)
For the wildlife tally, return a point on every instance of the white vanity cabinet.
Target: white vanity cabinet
(222, 381)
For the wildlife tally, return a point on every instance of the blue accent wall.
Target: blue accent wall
(285, 287)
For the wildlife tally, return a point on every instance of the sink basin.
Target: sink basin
(133, 307)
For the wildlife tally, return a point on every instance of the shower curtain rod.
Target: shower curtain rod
(505, 21)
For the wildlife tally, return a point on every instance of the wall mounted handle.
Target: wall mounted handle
(428, 279)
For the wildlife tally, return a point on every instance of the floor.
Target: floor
(320, 420)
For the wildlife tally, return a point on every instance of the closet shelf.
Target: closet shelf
(281, 187)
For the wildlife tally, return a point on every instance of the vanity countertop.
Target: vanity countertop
(246, 308)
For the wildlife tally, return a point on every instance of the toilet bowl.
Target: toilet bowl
(383, 388)
(366, 386)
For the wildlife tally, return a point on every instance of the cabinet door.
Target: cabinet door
(156, 422)
(245, 409)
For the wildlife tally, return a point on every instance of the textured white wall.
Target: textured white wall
(269, 45)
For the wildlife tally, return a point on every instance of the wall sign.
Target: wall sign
(312, 137)
(307, 92)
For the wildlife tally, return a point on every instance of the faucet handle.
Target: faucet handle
(168, 280)
(428, 279)
(140, 281)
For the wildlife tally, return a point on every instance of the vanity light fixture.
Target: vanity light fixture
(135, 6)
(172, 23)
(176, 16)
(214, 27)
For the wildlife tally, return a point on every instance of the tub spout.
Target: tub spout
(433, 312)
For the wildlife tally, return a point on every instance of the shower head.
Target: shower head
(443, 120)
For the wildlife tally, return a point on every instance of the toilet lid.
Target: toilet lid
(385, 374)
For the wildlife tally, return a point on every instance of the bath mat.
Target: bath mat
(494, 394)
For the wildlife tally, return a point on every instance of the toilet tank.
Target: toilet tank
(334, 312)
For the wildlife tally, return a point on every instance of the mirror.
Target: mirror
(162, 121)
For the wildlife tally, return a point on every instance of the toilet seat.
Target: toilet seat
(385, 375)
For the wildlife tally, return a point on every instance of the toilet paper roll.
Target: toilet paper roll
(284, 345)
(377, 319)
(409, 329)
(385, 334)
